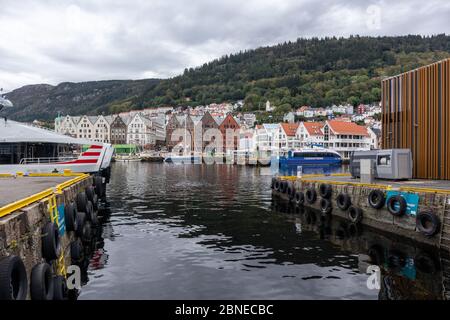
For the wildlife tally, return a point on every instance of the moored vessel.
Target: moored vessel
(311, 157)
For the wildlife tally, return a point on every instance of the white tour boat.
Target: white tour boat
(30, 149)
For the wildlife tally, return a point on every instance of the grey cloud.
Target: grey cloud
(82, 40)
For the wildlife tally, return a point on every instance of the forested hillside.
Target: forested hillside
(316, 72)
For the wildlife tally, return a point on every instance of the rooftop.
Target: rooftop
(290, 128)
(344, 127)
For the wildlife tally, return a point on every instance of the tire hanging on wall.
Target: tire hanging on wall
(299, 198)
(51, 246)
(277, 185)
(284, 186)
(81, 201)
(98, 184)
(76, 251)
(325, 191)
(428, 223)
(311, 195)
(89, 211)
(398, 212)
(90, 193)
(41, 286)
(81, 220)
(355, 214)
(70, 216)
(343, 201)
(95, 202)
(87, 232)
(376, 199)
(13, 279)
(325, 206)
(290, 191)
(60, 288)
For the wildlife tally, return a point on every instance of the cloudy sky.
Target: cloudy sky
(50, 41)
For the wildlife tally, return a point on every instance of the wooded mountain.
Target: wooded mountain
(44, 102)
(316, 72)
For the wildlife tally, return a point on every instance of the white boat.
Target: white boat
(182, 159)
(29, 149)
(128, 158)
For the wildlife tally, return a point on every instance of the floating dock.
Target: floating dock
(415, 209)
(44, 221)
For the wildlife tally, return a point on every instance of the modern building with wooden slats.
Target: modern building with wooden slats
(416, 116)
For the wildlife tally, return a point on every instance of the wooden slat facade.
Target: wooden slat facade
(416, 116)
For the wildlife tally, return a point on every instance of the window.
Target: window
(384, 160)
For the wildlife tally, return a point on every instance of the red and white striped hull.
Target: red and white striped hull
(94, 159)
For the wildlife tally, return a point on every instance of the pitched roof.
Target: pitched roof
(351, 128)
(290, 128)
(314, 128)
(271, 126)
(109, 119)
(218, 119)
(93, 119)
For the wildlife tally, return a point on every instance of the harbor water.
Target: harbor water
(213, 232)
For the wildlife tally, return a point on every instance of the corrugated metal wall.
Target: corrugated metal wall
(416, 115)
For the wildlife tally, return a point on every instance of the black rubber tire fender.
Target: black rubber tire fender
(310, 195)
(299, 198)
(343, 201)
(391, 205)
(325, 190)
(89, 211)
(325, 206)
(355, 214)
(13, 279)
(95, 202)
(376, 199)
(90, 193)
(290, 191)
(41, 283)
(81, 220)
(76, 251)
(428, 223)
(60, 288)
(98, 184)
(81, 201)
(87, 232)
(284, 186)
(70, 216)
(51, 246)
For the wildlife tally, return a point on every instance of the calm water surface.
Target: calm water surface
(213, 232)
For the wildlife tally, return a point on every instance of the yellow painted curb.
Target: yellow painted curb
(22, 203)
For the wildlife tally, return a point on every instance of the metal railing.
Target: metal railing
(46, 160)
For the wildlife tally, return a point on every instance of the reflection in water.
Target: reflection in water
(213, 232)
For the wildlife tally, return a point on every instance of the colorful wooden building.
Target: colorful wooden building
(416, 116)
